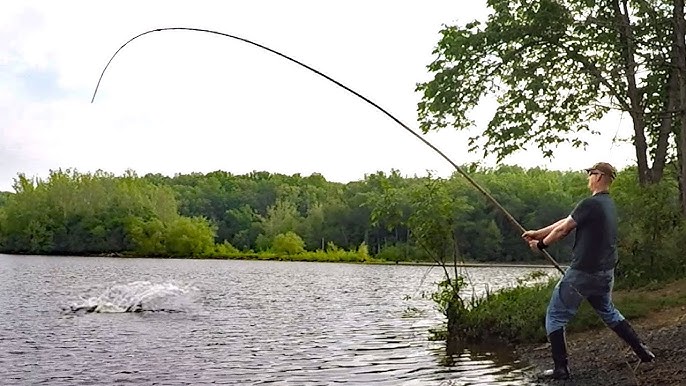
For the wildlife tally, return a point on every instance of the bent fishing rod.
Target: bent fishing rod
(396, 120)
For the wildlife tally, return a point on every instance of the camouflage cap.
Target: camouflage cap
(604, 168)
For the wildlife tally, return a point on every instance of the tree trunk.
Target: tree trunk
(680, 58)
(680, 174)
(682, 163)
(645, 176)
(671, 104)
(636, 113)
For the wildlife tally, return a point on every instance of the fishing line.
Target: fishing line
(614, 139)
(396, 120)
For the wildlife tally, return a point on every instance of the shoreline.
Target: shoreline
(473, 264)
(599, 357)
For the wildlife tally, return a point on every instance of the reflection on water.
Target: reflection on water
(483, 365)
(234, 322)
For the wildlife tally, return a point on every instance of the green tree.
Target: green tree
(76, 213)
(556, 65)
(282, 217)
(243, 226)
(147, 237)
(652, 236)
(4, 197)
(189, 237)
(433, 220)
(288, 243)
(389, 198)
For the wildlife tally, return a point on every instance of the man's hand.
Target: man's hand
(533, 244)
(531, 235)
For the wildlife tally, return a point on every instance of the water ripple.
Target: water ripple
(241, 322)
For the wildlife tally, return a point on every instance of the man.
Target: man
(590, 275)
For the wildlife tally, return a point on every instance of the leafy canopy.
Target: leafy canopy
(553, 67)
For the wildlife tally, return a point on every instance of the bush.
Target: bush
(517, 314)
(510, 315)
(402, 252)
(363, 251)
(224, 249)
(288, 243)
(652, 232)
(189, 236)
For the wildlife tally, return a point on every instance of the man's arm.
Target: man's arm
(560, 230)
(543, 232)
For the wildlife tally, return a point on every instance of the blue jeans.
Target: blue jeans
(572, 289)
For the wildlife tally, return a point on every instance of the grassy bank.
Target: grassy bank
(339, 256)
(329, 257)
(336, 256)
(516, 315)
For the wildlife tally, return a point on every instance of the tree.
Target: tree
(556, 65)
(147, 237)
(391, 206)
(288, 243)
(4, 196)
(282, 217)
(243, 224)
(189, 236)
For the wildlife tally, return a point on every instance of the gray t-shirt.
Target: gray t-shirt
(595, 247)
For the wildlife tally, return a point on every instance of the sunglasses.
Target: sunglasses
(594, 173)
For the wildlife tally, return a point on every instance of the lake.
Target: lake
(233, 322)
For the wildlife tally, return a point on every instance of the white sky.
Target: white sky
(181, 102)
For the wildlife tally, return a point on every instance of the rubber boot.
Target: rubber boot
(627, 333)
(558, 346)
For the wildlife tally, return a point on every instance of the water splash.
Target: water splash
(138, 296)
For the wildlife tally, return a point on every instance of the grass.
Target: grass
(331, 256)
(517, 315)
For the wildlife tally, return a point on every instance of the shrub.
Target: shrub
(288, 243)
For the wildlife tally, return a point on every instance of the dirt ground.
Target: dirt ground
(600, 357)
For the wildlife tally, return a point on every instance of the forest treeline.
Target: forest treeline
(221, 214)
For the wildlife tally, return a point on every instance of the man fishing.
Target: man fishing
(590, 275)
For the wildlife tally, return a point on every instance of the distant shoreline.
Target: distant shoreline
(294, 258)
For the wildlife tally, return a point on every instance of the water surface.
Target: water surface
(232, 322)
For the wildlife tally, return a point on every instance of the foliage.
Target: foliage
(363, 251)
(450, 303)
(74, 213)
(375, 211)
(652, 232)
(288, 243)
(395, 218)
(384, 217)
(433, 219)
(224, 249)
(4, 197)
(511, 315)
(189, 236)
(332, 254)
(525, 55)
(336, 254)
(282, 217)
(403, 252)
(517, 314)
(554, 67)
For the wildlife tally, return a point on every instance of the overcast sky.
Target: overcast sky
(181, 102)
